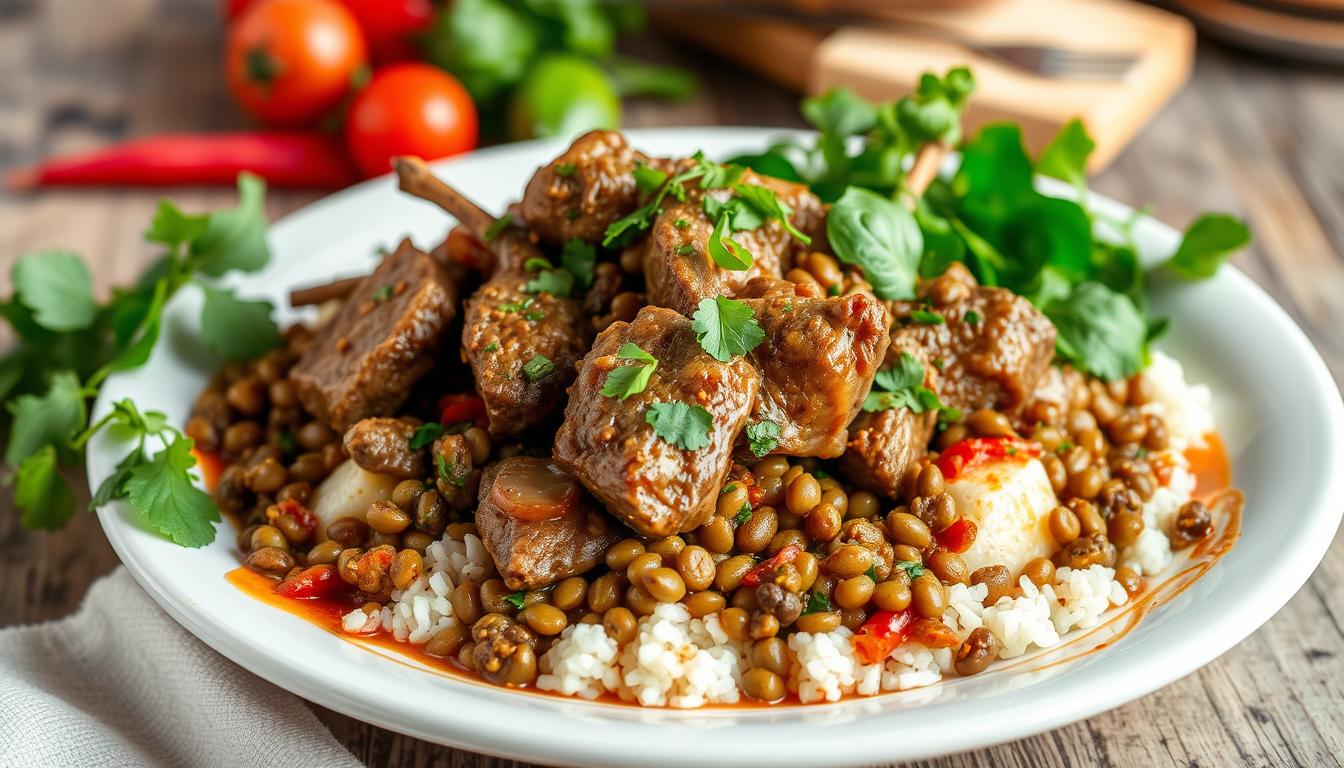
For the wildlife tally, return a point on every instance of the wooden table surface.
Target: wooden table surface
(1258, 138)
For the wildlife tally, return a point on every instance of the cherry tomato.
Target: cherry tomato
(391, 26)
(290, 62)
(974, 451)
(409, 109)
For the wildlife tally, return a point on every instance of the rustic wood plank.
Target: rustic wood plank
(1255, 140)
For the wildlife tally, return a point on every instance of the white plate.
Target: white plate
(1277, 406)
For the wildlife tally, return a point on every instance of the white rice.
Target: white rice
(1186, 408)
(581, 663)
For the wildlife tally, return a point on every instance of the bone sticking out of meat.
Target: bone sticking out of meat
(414, 178)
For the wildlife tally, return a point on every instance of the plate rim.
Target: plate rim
(826, 745)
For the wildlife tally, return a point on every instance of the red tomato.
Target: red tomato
(881, 634)
(457, 408)
(786, 555)
(974, 451)
(409, 109)
(315, 581)
(391, 26)
(957, 537)
(290, 62)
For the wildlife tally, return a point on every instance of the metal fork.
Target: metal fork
(1041, 59)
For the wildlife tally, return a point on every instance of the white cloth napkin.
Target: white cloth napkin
(119, 683)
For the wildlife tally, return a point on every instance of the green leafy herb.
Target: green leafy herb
(538, 368)
(686, 426)
(633, 377)
(382, 293)
(681, 224)
(762, 437)
(557, 282)
(685, 249)
(497, 228)
(41, 492)
(729, 488)
(579, 259)
(972, 317)
(524, 308)
(817, 602)
(872, 573)
(726, 328)
(648, 179)
(52, 418)
(743, 514)
(915, 570)
(448, 472)
(902, 386)
(1101, 331)
(925, 317)
(517, 599)
(565, 170)
(425, 435)
(1207, 244)
(1065, 157)
(237, 329)
(764, 200)
(882, 237)
(162, 490)
(725, 251)
(56, 286)
(711, 176)
(491, 347)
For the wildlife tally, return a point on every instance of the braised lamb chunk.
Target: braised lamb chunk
(608, 443)
(678, 268)
(884, 445)
(817, 364)
(994, 346)
(522, 348)
(530, 554)
(583, 190)
(383, 446)
(383, 339)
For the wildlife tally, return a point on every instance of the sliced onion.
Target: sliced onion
(532, 489)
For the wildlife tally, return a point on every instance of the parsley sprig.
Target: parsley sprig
(686, 426)
(902, 386)
(633, 377)
(69, 343)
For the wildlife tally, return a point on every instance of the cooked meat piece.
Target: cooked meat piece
(607, 281)
(883, 445)
(994, 345)
(533, 554)
(607, 443)
(363, 362)
(454, 475)
(383, 446)
(817, 364)
(505, 329)
(678, 269)
(583, 190)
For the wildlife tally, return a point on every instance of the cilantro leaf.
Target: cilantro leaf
(817, 602)
(648, 179)
(53, 418)
(517, 599)
(768, 203)
(630, 379)
(1100, 331)
(741, 214)
(448, 472)
(925, 317)
(762, 437)
(880, 236)
(1065, 157)
(565, 170)
(538, 368)
(913, 569)
(579, 259)
(42, 492)
(1207, 244)
(497, 228)
(933, 111)
(902, 386)
(113, 486)
(724, 250)
(685, 426)
(425, 435)
(162, 492)
(743, 513)
(171, 227)
(839, 112)
(557, 282)
(56, 286)
(235, 238)
(236, 328)
(726, 328)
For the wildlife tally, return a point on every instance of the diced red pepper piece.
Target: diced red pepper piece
(455, 409)
(957, 537)
(294, 509)
(755, 495)
(974, 451)
(312, 582)
(756, 575)
(881, 634)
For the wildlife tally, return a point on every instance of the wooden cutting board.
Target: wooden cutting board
(881, 62)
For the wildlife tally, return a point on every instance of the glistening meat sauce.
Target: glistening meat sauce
(1209, 464)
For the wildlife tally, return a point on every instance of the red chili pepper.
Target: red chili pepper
(283, 159)
(957, 537)
(786, 555)
(755, 495)
(295, 510)
(315, 581)
(455, 409)
(982, 450)
(881, 634)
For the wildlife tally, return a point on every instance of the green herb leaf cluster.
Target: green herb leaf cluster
(685, 426)
(726, 328)
(762, 437)
(902, 386)
(633, 377)
(69, 342)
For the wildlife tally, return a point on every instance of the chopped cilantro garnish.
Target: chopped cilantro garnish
(578, 258)
(557, 282)
(633, 377)
(973, 317)
(726, 328)
(729, 488)
(383, 293)
(764, 200)
(685, 426)
(517, 599)
(817, 602)
(448, 472)
(725, 251)
(685, 249)
(288, 443)
(681, 223)
(902, 386)
(872, 573)
(538, 368)
(495, 230)
(939, 363)
(571, 213)
(925, 317)
(1064, 447)
(565, 170)
(491, 347)
(425, 434)
(787, 307)
(762, 437)
(833, 290)
(820, 474)
(915, 570)
(743, 514)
